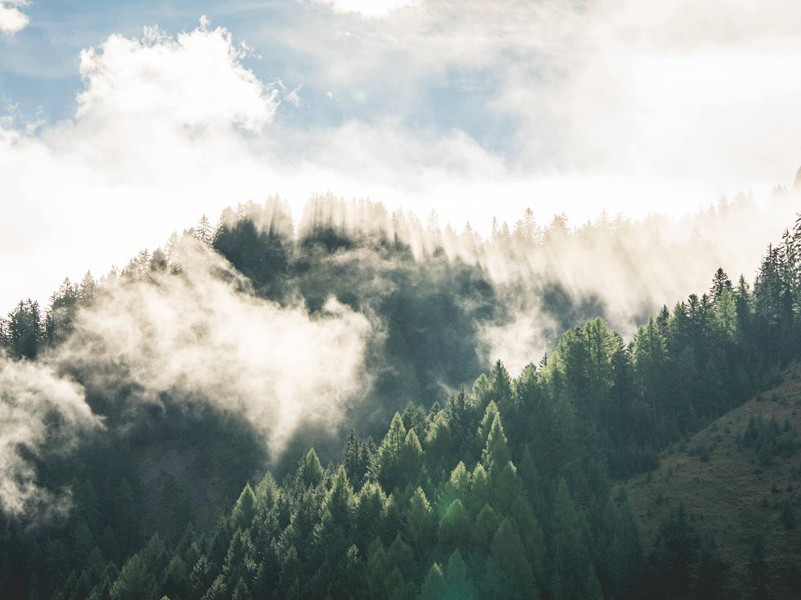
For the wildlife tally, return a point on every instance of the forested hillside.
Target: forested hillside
(735, 482)
(408, 474)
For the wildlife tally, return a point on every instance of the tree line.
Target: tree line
(508, 489)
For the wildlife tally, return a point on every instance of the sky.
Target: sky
(121, 122)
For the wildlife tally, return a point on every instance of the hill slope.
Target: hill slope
(739, 480)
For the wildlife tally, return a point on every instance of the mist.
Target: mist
(195, 333)
(324, 334)
(549, 276)
(43, 414)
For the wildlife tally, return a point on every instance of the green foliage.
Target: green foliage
(244, 509)
(768, 439)
(390, 454)
(515, 578)
(135, 581)
(420, 521)
(496, 453)
(505, 490)
(454, 527)
(460, 584)
(684, 564)
(434, 585)
(484, 428)
(310, 470)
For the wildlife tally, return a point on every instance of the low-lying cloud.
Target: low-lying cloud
(39, 411)
(199, 335)
(622, 269)
(190, 333)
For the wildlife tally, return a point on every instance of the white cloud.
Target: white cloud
(37, 407)
(12, 19)
(696, 93)
(162, 133)
(607, 105)
(199, 337)
(367, 8)
(681, 92)
(194, 81)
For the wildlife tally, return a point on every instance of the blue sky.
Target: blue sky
(111, 113)
(40, 73)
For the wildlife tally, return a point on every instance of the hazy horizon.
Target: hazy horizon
(121, 126)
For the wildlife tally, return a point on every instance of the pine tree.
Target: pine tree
(134, 581)
(457, 487)
(486, 422)
(508, 555)
(720, 283)
(244, 509)
(370, 513)
(570, 561)
(501, 390)
(201, 577)
(454, 527)
(674, 554)
(204, 232)
(355, 460)
(496, 452)
(400, 556)
(24, 329)
(420, 522)
(310, 471)
(388, 456)
(434, 585)
(480, 488)
(411, 460)
(339, 501)
(460, 586)
(241, 591)
(484, 528)
(175, 578)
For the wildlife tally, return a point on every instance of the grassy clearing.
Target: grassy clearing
(730, 491)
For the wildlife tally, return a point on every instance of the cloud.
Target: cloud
(195, 333)
(683, 93)
(40, 411)
(194, 81)
(168, 128)
(698, 94)
(12, 19)
(522, 339)
(367, 8)
(163, 132)
(200, 336)
(472, 108)
(546, 279)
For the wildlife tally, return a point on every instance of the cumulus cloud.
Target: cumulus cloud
(12, 19)
(200, 336)
(193, 81)
(38, 409)
(162, 133)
